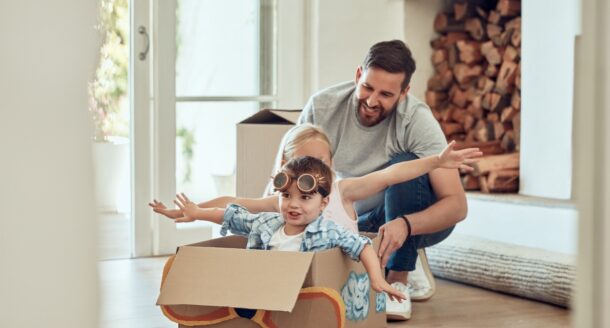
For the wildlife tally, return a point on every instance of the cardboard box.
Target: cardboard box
(214, 282)
(258, 139)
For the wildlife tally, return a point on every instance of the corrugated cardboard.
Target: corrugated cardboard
(204, 284)
(243, 270)
(258, 139)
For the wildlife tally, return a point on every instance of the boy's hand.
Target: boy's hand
(458, 159)
(188, 208)
(383, 286)
(159, 207)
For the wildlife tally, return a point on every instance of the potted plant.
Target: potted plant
(109, 108)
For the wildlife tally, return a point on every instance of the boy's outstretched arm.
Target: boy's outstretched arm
(191, 212)
(378, 283)
(354, 189)
(254, 205)
(159, 207)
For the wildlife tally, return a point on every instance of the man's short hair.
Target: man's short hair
(391, 56)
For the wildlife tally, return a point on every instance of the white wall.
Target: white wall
(550, 226)
(340, 32)
(48, 227)
(592, 166)
(419, 17)
(547, 82)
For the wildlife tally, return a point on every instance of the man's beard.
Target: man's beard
(380, 111)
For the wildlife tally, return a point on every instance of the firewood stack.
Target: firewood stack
(475, 91)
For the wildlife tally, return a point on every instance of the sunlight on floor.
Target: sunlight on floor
(114, 236)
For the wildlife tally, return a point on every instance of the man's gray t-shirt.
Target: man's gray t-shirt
(359, 150)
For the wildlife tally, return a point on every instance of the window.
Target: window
(225, 71)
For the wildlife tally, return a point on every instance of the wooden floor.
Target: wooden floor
(130, 288)
(114, 236)
(458, 305)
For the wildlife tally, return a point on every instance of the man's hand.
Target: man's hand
(393, 235)
(159, 207)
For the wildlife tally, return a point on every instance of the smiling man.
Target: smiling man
(373, 122)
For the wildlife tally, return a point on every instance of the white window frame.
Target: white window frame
(151, 104)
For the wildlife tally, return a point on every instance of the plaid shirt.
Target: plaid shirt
(319, 235)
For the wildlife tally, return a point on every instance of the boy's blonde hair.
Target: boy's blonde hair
(293, 139)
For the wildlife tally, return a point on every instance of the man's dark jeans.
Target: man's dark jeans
(403, 199)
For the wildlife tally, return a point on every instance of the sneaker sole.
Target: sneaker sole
(421, 253)
(394, 316)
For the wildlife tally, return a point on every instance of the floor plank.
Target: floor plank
(114, 236)
(458, 305)
(130, 288)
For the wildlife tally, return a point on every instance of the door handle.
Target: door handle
(142, 31)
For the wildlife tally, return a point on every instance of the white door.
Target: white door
(209, 65)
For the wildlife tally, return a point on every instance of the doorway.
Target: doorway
(109, 108)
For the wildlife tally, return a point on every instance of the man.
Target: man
(373, 122)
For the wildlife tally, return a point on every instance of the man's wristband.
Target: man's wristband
(404, 217)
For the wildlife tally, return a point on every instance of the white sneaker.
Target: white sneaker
(396, 310)
(421, 284)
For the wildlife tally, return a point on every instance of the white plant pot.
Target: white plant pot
(111, 166)
(225, 184)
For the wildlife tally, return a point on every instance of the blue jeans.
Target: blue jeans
(403, 199)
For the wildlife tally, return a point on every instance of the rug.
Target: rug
(524, 271)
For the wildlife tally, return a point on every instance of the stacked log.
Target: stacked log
(475, 92)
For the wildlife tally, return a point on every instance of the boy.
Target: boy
(304, 185)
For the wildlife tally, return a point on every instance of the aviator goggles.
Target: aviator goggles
(306, 183)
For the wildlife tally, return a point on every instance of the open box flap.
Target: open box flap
(253, 279)
(274, 116)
